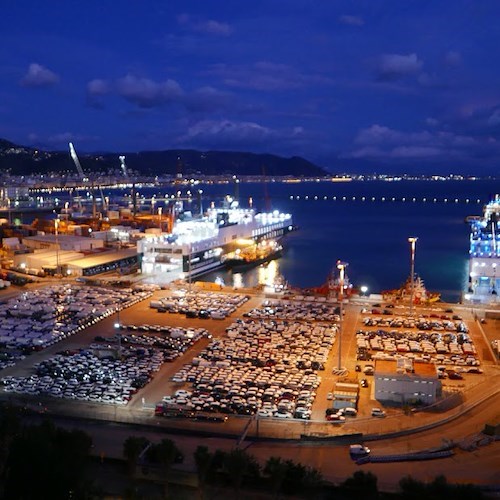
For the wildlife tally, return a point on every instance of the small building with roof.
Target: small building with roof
(405, 381)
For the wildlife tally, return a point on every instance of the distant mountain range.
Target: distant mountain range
(22, 160)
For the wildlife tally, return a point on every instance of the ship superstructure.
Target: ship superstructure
(197, 245)
(484, 261)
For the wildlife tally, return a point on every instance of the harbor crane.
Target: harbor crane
(123, 166)
(84, 179)
(78, 165)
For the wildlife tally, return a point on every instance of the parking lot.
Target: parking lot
(273, 366)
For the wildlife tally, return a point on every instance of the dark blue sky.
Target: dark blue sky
(404, 84)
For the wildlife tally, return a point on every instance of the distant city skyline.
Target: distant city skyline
(352, 86)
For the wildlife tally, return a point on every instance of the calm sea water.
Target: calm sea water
(371, 236)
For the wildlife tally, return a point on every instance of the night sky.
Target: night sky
(400, 84)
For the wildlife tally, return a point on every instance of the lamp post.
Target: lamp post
(9, 211)
(412, 240)
(56, 228)
(117, 326)
(341, 267)
(160, 210)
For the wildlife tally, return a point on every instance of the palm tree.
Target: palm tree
(166, 453)
(204, 460)
(132, 448)
(239, 463)
(276, 469)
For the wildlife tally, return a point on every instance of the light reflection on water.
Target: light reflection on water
(266, 275)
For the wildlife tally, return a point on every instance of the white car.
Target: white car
(377, 412)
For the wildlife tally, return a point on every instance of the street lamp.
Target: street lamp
(56, 228)
(341, 267)
(364, 290)
(160, 210)
(117, 326)
(412, 240)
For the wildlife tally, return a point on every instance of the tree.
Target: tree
(362, 483)
(204, 460)
(239, 463)
(166, 454)
(47, 462)
(276, 469)
(132, 448)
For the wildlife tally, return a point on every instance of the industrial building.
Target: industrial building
(404, 381)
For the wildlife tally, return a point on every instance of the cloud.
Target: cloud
(432, 122)
(351, 20)
(147, 93)
(39, 76)
(206, 99)
(378, 141)
(98, 87)
(266, 76)
(217, 132)
(494, 118)
(452, 58)
(396, 66)
(208, 27)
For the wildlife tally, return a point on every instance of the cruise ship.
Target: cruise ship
(484, 260)
(196, 246)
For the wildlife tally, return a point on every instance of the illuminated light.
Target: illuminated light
(373, 198)
(354, 198)
(315, 197)
(403, 199)
(414, 200)
(344, 198)
(306, 197)
(334, 198)
(383, 198)
(325, 197)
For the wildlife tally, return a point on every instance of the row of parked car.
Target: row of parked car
(448, 348)
(200, 304)
(426, 324)
(295, 310)
(172, 341)
(96, 374)
(246, 390)
(39, 318)
(260, 367)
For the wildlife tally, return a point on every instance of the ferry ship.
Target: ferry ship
(484, 255)
(199, 245)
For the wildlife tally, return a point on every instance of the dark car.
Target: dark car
(191, 314)
(455, 376)
(358, 368)
(363, 382)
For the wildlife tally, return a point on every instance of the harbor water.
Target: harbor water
(367, 225)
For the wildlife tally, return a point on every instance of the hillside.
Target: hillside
(21, 160)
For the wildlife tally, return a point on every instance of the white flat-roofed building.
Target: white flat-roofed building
(63, 242)
(403, 381)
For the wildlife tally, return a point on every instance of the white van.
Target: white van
(358, 450)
